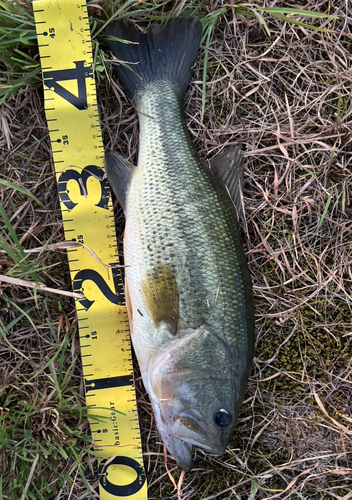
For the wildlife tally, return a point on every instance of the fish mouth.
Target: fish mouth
(182, 453)
(191, 429)
(186, 432)
(180, 432)
(179, 449)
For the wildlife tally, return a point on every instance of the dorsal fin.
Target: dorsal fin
(160, 296)
(228, 167)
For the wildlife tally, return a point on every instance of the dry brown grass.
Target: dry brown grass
(286, 101)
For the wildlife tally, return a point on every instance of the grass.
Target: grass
(18, 42)
(38, 440)
(285, 100)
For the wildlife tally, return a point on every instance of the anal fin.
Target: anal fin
(119, 172)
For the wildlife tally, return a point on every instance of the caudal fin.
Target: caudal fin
(162, 54)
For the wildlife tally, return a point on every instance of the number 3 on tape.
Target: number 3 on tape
(73, 121)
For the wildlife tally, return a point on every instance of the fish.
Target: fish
(187, 284)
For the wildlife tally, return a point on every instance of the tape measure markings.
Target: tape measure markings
(75, 136)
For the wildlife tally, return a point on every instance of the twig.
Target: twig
(39, 286)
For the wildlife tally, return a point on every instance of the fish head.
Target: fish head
(192, 389)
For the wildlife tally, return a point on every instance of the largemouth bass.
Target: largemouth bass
(188, 288)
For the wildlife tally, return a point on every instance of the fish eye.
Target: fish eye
(222, 418)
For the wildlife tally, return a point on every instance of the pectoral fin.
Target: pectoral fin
(119, 172)
(160, 296)
(228, 167)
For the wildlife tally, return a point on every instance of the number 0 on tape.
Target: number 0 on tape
(72, 115)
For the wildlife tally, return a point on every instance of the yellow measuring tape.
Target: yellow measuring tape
(72, 115)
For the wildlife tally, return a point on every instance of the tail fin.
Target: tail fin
(162, 54)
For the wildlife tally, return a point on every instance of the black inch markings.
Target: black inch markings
(75, 135)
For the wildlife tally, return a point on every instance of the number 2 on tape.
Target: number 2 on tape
(116, 490)
(73, 120)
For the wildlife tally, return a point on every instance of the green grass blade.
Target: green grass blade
(298, 12)
(6, 91)
(205, 70)
(62, 346)
(21, 190)
(3, 333)
(11, 232)
(304, 25)
(325, 211)
(21, 311)
(122, 10)
(14, 248)
(261, 20)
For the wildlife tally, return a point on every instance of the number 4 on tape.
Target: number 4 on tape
(72, 115)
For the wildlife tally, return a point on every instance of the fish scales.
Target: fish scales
(189, 225)
(188, 288)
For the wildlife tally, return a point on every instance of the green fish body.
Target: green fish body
(188, 288)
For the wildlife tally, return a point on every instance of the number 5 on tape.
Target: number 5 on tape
(72, 116)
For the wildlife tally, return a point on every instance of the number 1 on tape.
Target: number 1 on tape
(72, 115)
